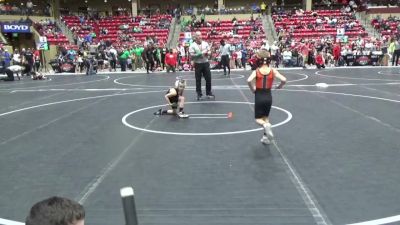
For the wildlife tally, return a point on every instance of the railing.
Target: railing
(66, 30)
(36, 11)
(171, 33)
(226, 11)
(363, 18)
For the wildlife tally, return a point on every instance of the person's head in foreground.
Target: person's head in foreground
(263, 57)
(56, 211)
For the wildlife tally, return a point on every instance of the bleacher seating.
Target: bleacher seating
(387, 27)
(225, 30)
(109, 29)
(52, 32)
(299, 24)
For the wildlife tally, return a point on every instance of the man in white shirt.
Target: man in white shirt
(239, 58)
(181, 53)
(318, 21)
(287, 58)
(224, 51)
(265, 45)
(199, 51)
(29, 7)
(274, 50)
(113, 59)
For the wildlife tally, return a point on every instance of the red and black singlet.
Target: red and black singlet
(264, 81)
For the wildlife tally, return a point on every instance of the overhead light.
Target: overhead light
(105, 1)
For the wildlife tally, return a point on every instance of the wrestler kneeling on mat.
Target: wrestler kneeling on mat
(175, 99)
(260, 83)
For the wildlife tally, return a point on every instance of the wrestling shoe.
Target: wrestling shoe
(265, 140)
(268, 130)
(210, 96)
(158, 113)
(182, 115)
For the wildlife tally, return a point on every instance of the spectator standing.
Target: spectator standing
(138, 59)
(336, 53)
(164, 51)
(224, 51)
(112, 57)
(265, 45)
(263, 7)
(181, 53)
(37, 60)
(396, 53)
(7, 58)
(239, 58)
(16, 57)
(28, 61)
(29, 7)
(287, 58)
(320, 61)
(171, 61)
(123, 59)
(274, 53)
(148, 57)
(244, 57)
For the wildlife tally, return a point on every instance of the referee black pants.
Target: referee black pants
(202, 70)
(225, 63)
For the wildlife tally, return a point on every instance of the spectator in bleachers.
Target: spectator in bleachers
(263, 8)
(56, 211)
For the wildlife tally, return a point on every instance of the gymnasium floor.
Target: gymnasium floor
(335, 160)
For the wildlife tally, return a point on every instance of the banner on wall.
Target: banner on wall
(15, 28)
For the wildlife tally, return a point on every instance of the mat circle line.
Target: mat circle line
(56, 85)
(297, 80)
(351, 78)
(116, 81)
(390, 74)
(124, 118)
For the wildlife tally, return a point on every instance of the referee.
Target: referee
(199, 51)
